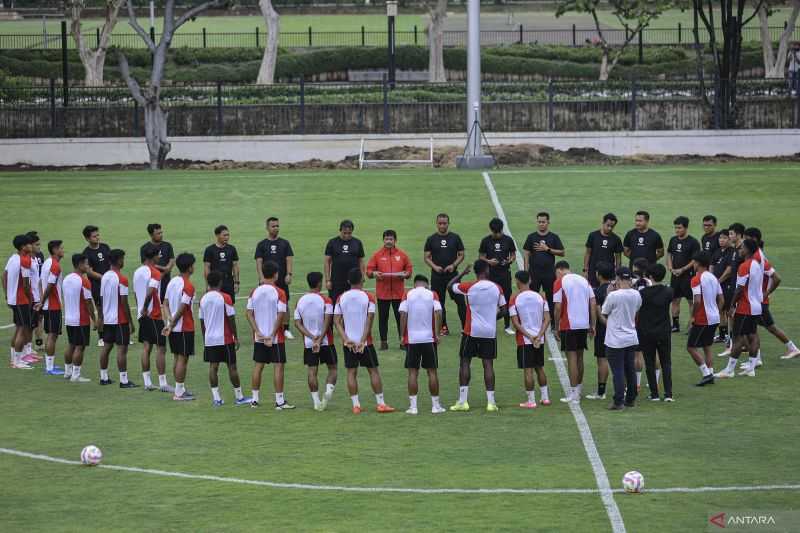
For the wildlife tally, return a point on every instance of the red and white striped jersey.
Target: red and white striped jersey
(18, 269)
(52, 275)
(77, 291)
(707, 287)
(575, 295)
(769, 271)
(419, 304)
(113, 286)
(531, 309)
(181, 291)
(354, 306)
(36, 281)
(266, 301)
(750, 277)
(144, 278)
(215, 306)
(311, 309)
(484, 297)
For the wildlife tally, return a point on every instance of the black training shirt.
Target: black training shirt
(643, 244)
(542, 264)
(603, 248)
(499, 249)
(98, 260)
(444, 248)
(221, 260)
(710, 243)
(682, 251)
(277, 251)
(345, 255)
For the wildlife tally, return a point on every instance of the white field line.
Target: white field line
(632, 169)
(344, 488)
(7, 326)
(600, 475)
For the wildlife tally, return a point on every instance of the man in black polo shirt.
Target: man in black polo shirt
(279, 251)
(710, 239)
(682, 247)
(722, 267)
(165, 257)
(499, 251)
(342, 254)
(735, 239)
(602, 246)
(540, 251)
(444, 251)
(223, 258)
(642, 241)
(97, 252)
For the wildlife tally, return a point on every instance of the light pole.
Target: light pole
(391, 13)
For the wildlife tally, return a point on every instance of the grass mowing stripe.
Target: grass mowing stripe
(606, 494)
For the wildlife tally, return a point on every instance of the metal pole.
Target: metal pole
(204, 36)
(574, 36)
(473, 70)
(385, 105)
(551, 119)
(680, 33)
(219, 108)
(152, 14)
(633, 105)
(64, 63)
(309, 37)
(97, 37)
(415, 34)
(521, 37)
(258, 45)
(641, 46)
(52, 96)
(363, 37)
(391, 13)
(302, 106)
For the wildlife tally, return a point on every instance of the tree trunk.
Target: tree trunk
(438, 14)
(604, 70)
(155, 130)
(93, 60)
(266, 74)
(775, 64)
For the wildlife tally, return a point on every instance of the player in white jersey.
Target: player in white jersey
(50, 305)
(17, 286)
(707, 301)
(116, 322)
(78, 315)
(485, 304)
(147, 287)
(530, 316)
(420, 322)
(178, 301)
(313, 317)
(37, 259)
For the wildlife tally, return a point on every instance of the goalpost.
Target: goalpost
(363, 162)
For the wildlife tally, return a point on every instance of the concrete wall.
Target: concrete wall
(294, 148)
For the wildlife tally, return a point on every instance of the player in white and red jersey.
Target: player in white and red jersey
(707, 300)
(115, 317)
(485, 303)
(420, 322)
(353, 315)
(266, 313)
(50, 305)
(530, 316)
(76, 291)
(178, 301)
(313, 317)
(147, 287)
(575, 315)
(19, 297)
(37, 259)
(220, 338)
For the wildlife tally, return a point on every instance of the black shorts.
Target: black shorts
(78, 335)
(326, 355)
(528, 356)
(150, 331)
(181, 342)
(119, 334)
(727, 295)
(744, 325)
(367, 359)
(220, 354)
(478, 347)
(573, 340)
(681, 287)
(701, 336)
(36, 319)
(51, 321)
(269, 354)
(23, 315)
(600, 342)
(421, 354)
(766, 317)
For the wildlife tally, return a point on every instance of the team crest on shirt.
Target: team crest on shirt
(542, 242)
(345, 248)
(99, 256)
(397, 258)
(222, 256)
(497, 246)
(273, 248)
(679, 246)
(444, 243)
(605, 242)
(641, 240)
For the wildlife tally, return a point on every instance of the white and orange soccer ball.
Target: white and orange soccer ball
(91, 455)
(633, 482)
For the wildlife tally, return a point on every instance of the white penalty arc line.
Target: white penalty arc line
(600, 475)
(401, 490)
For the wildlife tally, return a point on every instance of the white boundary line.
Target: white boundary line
(631, 168)
(7, 326)
(338, 488)
(600, 475)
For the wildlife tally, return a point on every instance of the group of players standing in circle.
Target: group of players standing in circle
(725, 276)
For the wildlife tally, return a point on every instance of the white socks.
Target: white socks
(279, 399)
(354, 399)
(490, 396)
(412, 400)
(67, 371)
(104, 374)
(753, 363)
(704, 370)
(215, 394)
(256, 395)
(531, 396)
(639, 378)
(731, 364)
(162, 380)
(329, 388)
(790, 346)
(179, 390)
(123, 377)
(315, 398)
(49, 361)
(435, 401)
(658, 375)
(76, 372)
(28, 349)
(238, 393)
(463, 394)
(544, 391)
(379, 399)
(148, 382)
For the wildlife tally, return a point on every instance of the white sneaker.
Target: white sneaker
(749, 372)
(510, 330)
(100, 343)
(131, 342)
(726, 353)
(288, 335)
(746, 365)
(791, 354)
(79, 379)
(320, 406)
(571, 399)
(21, 365)
(725, 373)
(411, 411)
(438, 410)
(595, 396)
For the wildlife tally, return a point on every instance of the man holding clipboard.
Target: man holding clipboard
(390, 266)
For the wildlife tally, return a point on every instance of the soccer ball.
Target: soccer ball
(633, 482)
(91, 455)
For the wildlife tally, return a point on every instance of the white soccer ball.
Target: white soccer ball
(633, 482)
(91, 455)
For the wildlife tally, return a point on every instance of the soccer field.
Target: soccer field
(520, 470)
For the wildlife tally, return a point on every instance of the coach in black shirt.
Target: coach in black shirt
(97, 252)
(680, 251)
(223, 258)
(342, 254)
(278, 250)
(444, 251)
(540, 251)
(499, 251)
(710, 239)
(165, 258)
(642, 241)
(602, 246)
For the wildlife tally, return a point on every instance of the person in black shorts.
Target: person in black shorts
(165, 256)
(540, 251)
(223, 257)
(721, 266)
(37, 260)
(735, 236)
(499, 250)
(703, 326)
(643, 241)
(602, 246)
(342, 254)
(117, 330)
(709, 241)
(604, 273)
(51, 298)
(20, 300)
(680, 251)
(180, 313)
(98, 253)
(151, 325)
(654, 332)
(444, 251)
(279, 250)
(78, 334)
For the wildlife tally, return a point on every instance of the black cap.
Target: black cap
(624, 273)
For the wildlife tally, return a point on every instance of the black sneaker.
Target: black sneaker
(106, 382)
(707, 380)
(128, 385)
(675, 329)
(616, 407)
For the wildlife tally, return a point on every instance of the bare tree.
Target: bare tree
(266, 73)
(93, 60)
(774, 64)
(437, 9)
(149, 97)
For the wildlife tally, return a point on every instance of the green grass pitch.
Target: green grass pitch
(739, 432)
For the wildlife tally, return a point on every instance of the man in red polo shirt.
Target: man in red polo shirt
(390, 266)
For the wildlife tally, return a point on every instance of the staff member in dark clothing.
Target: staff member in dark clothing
(710, 239)
(342, 254)
(722, 267)
(279, 251)
(444, 251)
(97, 252)
(642, 241)
(605, 277)
(223, 258)
(165, 258)
(602, 246)
(654, 331)
(680, 251)
(499, 251)
(540, 251)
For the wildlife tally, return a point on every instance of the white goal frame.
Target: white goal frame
(364, 163)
